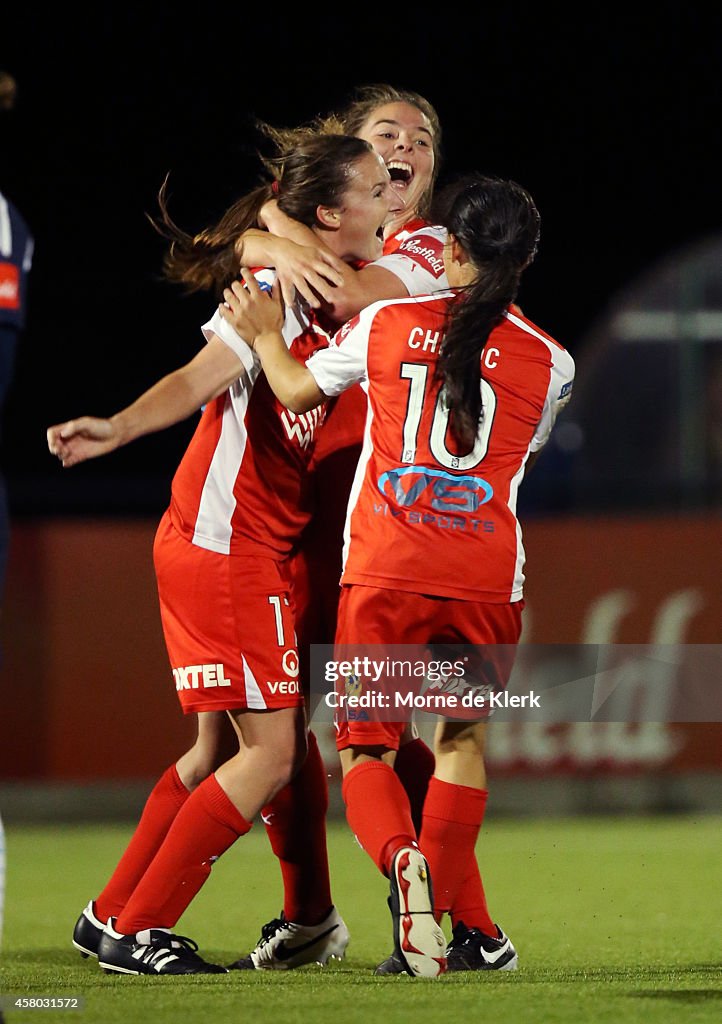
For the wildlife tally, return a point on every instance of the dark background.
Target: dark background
(611, 118)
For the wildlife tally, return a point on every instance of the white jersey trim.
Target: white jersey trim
(254, 697)
(410, 270)
(559, 391)
(220, 327)
(345, 361)
(213, 528)
(366, 453)
(6, 234)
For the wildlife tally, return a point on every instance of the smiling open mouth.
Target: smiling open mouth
(400, 172)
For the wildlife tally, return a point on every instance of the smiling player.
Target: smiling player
(238, 504)
(463, 392)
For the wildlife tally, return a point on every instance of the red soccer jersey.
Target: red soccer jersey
(415, 255)
(243, 481)
(242, 486)
(424, 516)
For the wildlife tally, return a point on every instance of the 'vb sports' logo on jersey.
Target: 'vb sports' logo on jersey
(449, 493)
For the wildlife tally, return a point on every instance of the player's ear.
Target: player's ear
(458, 252)
(329, 217)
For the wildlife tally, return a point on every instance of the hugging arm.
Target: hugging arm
(258, 316)
(303, 263)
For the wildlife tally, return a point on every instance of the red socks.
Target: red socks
(295, 821)
(452, 819)
(204, 828)
(378, 811)
(470, 902)
(164, 802)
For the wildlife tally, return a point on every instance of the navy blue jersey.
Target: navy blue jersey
(16, 253)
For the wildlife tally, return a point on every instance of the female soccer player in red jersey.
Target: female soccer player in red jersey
(238, 505)
(295, 819)
(463, 392)
(404, 129)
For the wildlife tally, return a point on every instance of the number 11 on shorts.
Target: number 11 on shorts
(275, 601)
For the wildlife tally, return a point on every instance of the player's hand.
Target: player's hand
(309, 270)
(302, 264)
(81, 439)
(312, 272)
(251, 311)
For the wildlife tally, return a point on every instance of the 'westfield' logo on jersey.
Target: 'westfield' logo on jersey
(435, 261)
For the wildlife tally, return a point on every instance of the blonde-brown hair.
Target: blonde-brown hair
(351, 118)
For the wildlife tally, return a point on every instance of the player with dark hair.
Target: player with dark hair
(404, 129)
(465, 409)
(239, 502)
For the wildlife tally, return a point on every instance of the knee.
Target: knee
(279, 764)
(193, 772)
(289, 761)
(198, 763)
(466, 740)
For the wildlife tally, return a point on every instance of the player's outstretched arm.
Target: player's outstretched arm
(170, 400)
(258, 318)
(81, 439)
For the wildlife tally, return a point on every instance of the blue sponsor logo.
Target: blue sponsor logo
(449, 493)
(264, 286)
(566, 389)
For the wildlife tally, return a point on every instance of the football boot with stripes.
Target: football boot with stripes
(419, 942)
(472, 950)
(88, 932)
(152, 951)
(284, 944)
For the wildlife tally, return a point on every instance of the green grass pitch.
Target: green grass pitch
(615, 919)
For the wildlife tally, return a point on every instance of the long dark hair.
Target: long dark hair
(314, 173)
(497, 224)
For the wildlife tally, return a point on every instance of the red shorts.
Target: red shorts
(377, 616)
(228, 626)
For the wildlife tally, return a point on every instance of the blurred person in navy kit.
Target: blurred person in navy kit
(16, 248)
